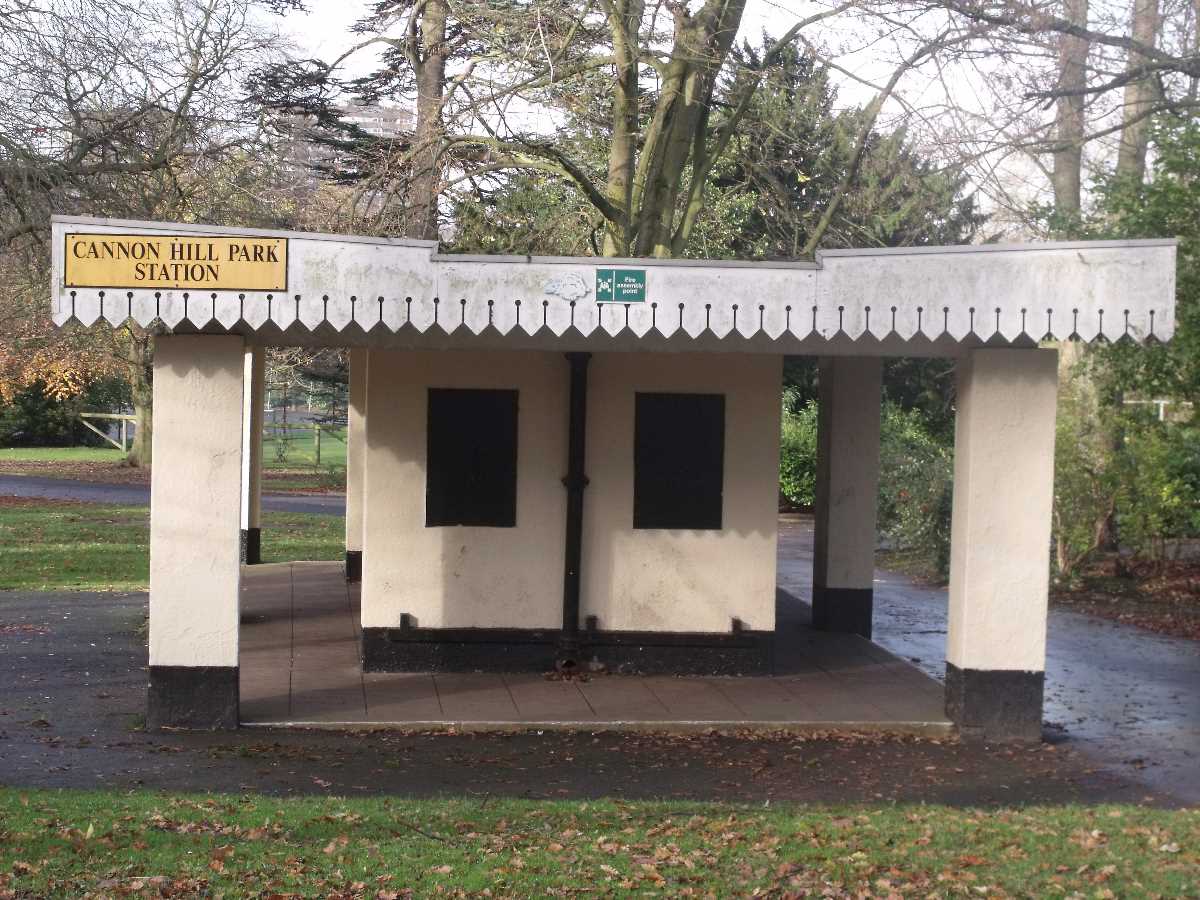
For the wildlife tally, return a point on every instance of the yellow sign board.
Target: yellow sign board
(167, 262)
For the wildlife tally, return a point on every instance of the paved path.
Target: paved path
(300, 665)
(139, 494)
(1129, 697)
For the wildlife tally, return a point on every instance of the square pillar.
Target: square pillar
(356, 444)
(850, 397)
(195, 501)
(253, 399)
(1000, 542)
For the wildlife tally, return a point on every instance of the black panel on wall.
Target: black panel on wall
(471, 458)
(678, 460)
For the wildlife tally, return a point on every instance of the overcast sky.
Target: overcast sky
(324, 31)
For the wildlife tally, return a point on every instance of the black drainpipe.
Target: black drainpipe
(575, 482)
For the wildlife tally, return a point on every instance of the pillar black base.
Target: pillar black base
(200, 698)
(847, 610)
(252, 546)
(996, 704)
(354, 565)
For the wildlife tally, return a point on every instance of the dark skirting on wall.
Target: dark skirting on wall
(409, 649)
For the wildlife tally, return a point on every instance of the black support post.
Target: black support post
(575, 482)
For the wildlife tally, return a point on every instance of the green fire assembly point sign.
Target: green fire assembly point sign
(620, 285)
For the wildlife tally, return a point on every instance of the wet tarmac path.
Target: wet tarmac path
(1128, 697)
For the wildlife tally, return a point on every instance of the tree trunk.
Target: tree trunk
(421, 218)
(677, 134)
(1194, 81)
(625, 24)
(675, 112)
(1069, 121)
(1140, 95)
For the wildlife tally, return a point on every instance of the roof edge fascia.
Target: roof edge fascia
(998, 248)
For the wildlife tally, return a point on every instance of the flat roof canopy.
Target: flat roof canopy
(302, 288)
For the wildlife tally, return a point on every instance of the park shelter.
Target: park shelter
(574, 461)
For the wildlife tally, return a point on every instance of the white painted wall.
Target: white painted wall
(462, 576)
(195, 498)
(847, 472)
(1003, 492)
(356, 439)
(644, 580)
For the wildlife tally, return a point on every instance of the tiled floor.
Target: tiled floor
(300, 665)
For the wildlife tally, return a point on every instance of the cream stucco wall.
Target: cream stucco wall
(512, 577)
(195, 499)
(462, 576)
(652, 579)
(1003, 492)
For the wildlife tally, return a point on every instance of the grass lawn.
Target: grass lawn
(301, 450)
(298, 471)
(60, 454)
(70, 843)
(304, 480)
(56, 545)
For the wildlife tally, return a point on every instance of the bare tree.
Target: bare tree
(658, 85)
(1140, 94)
(117, 109)
(1042, 17)
(1070, 122)
(1052, 95)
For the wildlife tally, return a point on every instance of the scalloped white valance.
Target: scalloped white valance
(341, 288)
